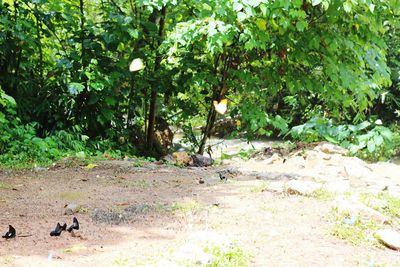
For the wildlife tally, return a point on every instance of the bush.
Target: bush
(368, 140)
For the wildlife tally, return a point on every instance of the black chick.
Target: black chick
(10, 234)
(74, 226)
(223, 175)
(58, 230)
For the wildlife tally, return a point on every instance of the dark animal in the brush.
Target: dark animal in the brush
(74, 226)
(10, 234)
(59, 228)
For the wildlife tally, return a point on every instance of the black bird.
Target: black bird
(10, 234)
(58, 230)
(74, 226)
(222, 176)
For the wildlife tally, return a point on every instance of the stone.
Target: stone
(329, 148)
(340, 186)
(275, 157)
(71, 209)
(276, 187)
(169, 159)
(201, 161)
(304, 188)
(228, 173)
(182, 158)
(356, 168)
(274, 176)
(389, 238)
(355, 208)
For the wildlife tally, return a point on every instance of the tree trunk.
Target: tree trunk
(220, 95)
(39, 38)
(154, 91)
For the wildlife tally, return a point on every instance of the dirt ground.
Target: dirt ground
(136, 215)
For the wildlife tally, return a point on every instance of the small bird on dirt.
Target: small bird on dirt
(10, 234)
(58, 230)
(74, 226)
(222, 176)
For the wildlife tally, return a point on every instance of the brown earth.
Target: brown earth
(137, 215)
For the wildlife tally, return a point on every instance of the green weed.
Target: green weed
(384, 203)
(185, 207)
(260, 187)
(5, 186)
(233, 256)
(323, 194)
(354, 230)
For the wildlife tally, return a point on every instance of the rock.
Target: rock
(40, 169)
(228, 173)
(268, 176)
(316, 155)
(169, 159)
(71, 209)
(275, 157)
(389, 237)
(276, 187)
(201, 161)
(355, 208)
(337, 186)
(182, 158)
(329, 148)
(356, 168)
(304, 188)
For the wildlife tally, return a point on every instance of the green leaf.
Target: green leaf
(316, 2)
(347, 6)
(75, 88)
(371, 146)
(241, 16)
(237, 6)
(378, 139)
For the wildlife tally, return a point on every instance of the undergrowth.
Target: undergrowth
(369, 140)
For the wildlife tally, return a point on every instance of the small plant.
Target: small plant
(323, 194)
(233, 256)
(384, 203)
(5, 186)
(368, 140)
(354, 229)
(185, 207)
(260, 187)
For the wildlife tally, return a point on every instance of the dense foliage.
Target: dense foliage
(65, 84)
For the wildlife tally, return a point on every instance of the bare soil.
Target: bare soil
(138, 214)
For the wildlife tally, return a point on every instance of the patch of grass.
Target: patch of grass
(185, 207)
(233, 256)
(260, 187)
(323, 194)
(384, 203)
(244, 154)
(355, 230)
(5, 186)
(70, 196)
(141, 161)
